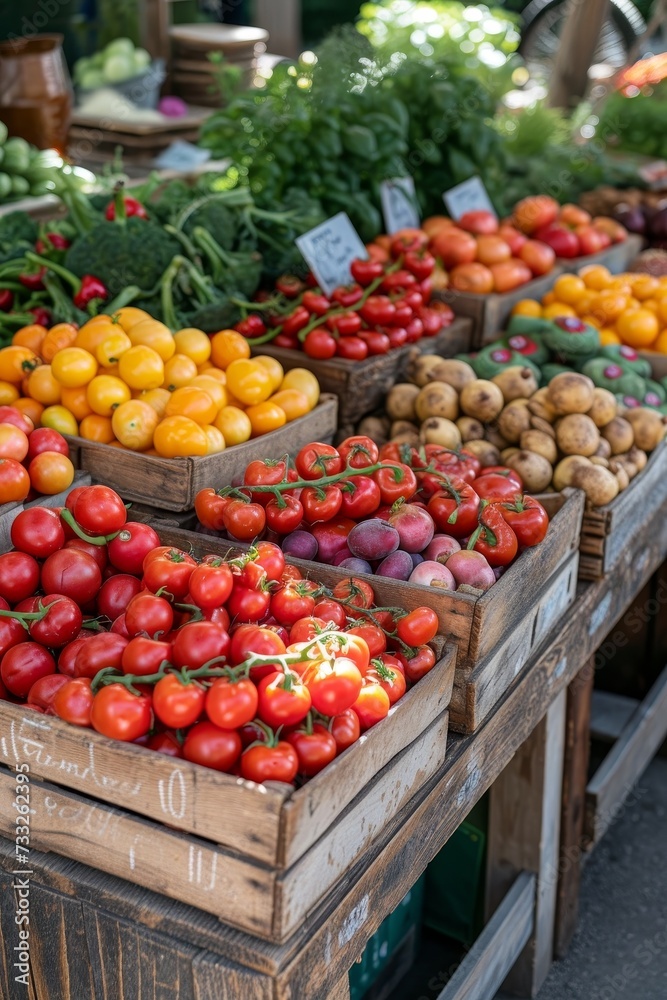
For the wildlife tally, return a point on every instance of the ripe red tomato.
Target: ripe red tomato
(334, 685)
(270, 763)
(264, 472)
(60, 625)
(98, 510)
(354, 592)
(249, 639)
(24, 664)
(73, 702)
(45, 689)
(331, 612)
(285, 515)
(209, 508)
(372, 635)
(270, 557)
(360, 497)
(387, 671)
(131, 545)
(119, 714)
(10, 415)
(105, 649)
(395, 482)
(116, 593)
(212, 746)
(170, 572)
(150, 614)
(496, 487)
(321, 504)
(292, 602)
(11, 632)
(345, 729)
(306, 629)
(98, 552)
(358, 452)
(211, 584)
(197, 643)
(176, 703)
(72, 573)
(244, 520)
(418, 627)
(231, 704)
(316, 460)
(19, 576)
(37, 531)
(167, 743)
(319, 344)
(46, 439)
(68, 654)
(284, 700)
(248, 605)
(418, 665)
(315, 749)
(143, 656)
(372, 705)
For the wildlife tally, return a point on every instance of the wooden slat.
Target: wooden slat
(615, 258)
(341, 990)
(485, 966)
(57, 932)
(610, 713)
(626, 761)
(222, 980)
(639, 502)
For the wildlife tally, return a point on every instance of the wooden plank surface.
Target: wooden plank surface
(615, 258)
(625, 763)
(610, 713)
(485, 966)
(641, 501)
(57, 931)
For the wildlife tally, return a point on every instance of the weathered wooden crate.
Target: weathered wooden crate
(9, 511)
(490, 313)
(607, 532)
(259, 857)
(175, 482)
(615, 258)
(658, 363)
(361, 386)
(496, 632)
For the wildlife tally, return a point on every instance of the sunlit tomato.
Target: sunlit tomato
(284, 700)
(116, 593)
(273, 367)
(176, 703)
(105, 649)
(73, 702)
(51, 472)
(170, 572)
(418, 627)
(265, 417)
(245, 604)
(131, 545)
(37, 531)
(105, 393)
(141, 367)
(149, 332)
(73, 367)
(334, 685)
(112, 348)
(270, 557)
(358, 452)
(231, 704)
(372, 705)
(24, 664)
(212, 746)
(331, 612)
(314, 749)
(228, 346)
(46, 439)
(292, 602)
(193, 402)
(179, 371)
(16, 362)
(14, 481)
(249, 639)
(197, 643)
(19, 576)
(317, 460)
(157, 399)
(119, 714)
(99, 510)
(194, 344)
(249, 381)
(133, 423)
(388, 672)
(72, 573)
(179, 437)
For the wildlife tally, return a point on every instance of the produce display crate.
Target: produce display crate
(259, 857)
(658, 363)
(490, 313)
(10, 511)
(496, 632)
(616, 258)
(175, 482)
(607, 532)
(361, 386)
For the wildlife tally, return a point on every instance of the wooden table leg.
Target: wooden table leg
(575, 779)
(524, 826)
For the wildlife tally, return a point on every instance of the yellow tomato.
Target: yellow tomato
(193, 402)
(58, 337)
(228, 346)
(213, 372)
(76, 402)
(662, 310)
(112, 348)
(265, 417)
(178, 437)
(194, 344)
(8, 394)
(59, 419)
(16, 362)
(129, 316)
(29, 408)
(292, 402)
(591, 320)
(548, 298)
(638, 327)
(569, 288)
(215, 389)
(644, 286)
(557, 309)
(178, 372)
(157, 398)
(134, 424)
(31, 336)
(595, 276)
(273, 367)
(609, 306)
(234, 424)
(305, 382)
(141, 367)
(527, 307)
(92, 333)
(74, 367)
(96, 428)
(249, 381)
(43, 387)
(661, 343)
(152, 333)
(215, 439)
(608, 336)
(105, 393)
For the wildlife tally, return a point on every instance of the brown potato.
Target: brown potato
(439, 430)
(471, 429)
(638, 456)
(421, 367)
(400, 403)
(603, 449)
(437, 399)
(621, 474)
(542, 425)
(648, 426)
(402, 427)
(481, 399)
(534, 470)
(571, 392)
(604, 407)
(378, 429)
(540, 405)
(576, 434)
(508, 452)
(540, 443)
(492, 434)
(454, 373)
(516, 382)
(564, 471)
(514, 420)
(620, 435)
(486, 452)
(600, 485)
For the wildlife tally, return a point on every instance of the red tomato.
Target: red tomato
(60, 624)
(211, 584)
(73, 702)
(149, 614)
(116, 593)
(396, 481)
(334, 685)
(496, 487)
(73, 574)
(455, 508)
(45, 439)
(264, 472)
(306, 629)
(358, 452)
(270, 763)
(418, 627)
(292, 602)
(319, 344)
(197, 643)
(119, 714)
(330, 612)
(19, 576)
(317, 460)
(270, 557)
(11, 632)
(360, 496)
(44, 690)
(372, 635)
(372, 705)
(390, 678)
(99, 510)
(354, 592)
(284, 700)
(176, 703)
(249, 639)
(246, 605)
(209, 508)
(143, 656)
(231, 704)
(131, 545)
(315, 749)
(244, 520)
(24, 664)
(98, 552)
(167, 743)
(213, 747)
(170, 572)
(10, 415)
(37, 531)
(418, 665)
(102, 650)
(68, 654)
(283, 516)
(352, 348)
(345, 729)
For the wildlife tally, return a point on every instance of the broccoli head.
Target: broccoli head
(18, 233)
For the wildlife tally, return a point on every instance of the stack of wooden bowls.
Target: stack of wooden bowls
(193, 74)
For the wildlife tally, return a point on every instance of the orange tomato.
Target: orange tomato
(472, 277)
(178, 372)
(638, 327)
(644, 286)
(31, 336)
(556, 309)
(661, 343)
(92, 333)
(527, 307)
(60, 419)
(608, 336)
(51, 473)
(305, 382)
(29, 408)
(129, 316)
(157, 398)
(510, 274)
(112, 348)
(76, 401)
(73, 367)
(609, 306)
(213, 372)
(152, 333)
(194, 344)
(265, 417)
(141, 367)
(8, 394)
(569, 288)
(662, 310)
(192, 402)
(595, 276)
(179, 437)
(16, 362)
(228, 346)
(234, 424)
(14, 480)
(292, 402)
(215, 389)
(134, 424)
(59, 336)
(492, 250)
(13, 442)
(273, 367)
(96, 428)
(215, 440)
(249, 381)
(105, 393)
(43, 387)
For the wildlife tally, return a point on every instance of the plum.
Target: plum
(301, 545)
(433, 574)
(332, 537)
(373, 539)
(398, 565)
(472, 568)
(414, 525)
(417, 558)
(356, 565)
(343, 553)
(441, 548)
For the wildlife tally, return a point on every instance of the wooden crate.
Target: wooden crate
(9, 511)
(259, 857)
(490, 313)
(495, 633)
(615, 258)
(607, 532)
(361, 386)
(658, 363)
(175, 482)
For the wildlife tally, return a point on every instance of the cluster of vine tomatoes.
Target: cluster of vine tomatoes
(238, 664)
(32, 461)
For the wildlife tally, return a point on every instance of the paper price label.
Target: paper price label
(471, 196)
(181, 155)
(329, 249)
(399, 204)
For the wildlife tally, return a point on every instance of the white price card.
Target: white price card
(471, 196)
(399, 204)
(181, 155)
(329, 249)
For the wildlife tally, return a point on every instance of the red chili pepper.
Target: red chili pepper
(33, 280)
(289, 286)
(493, 537)
(6, 300)
(366, 271)
(42, 316)
(527, 518)
(57, 242)
(251, 326)
(132, 207)
(316, 303)
(347, 295)
(91, 288)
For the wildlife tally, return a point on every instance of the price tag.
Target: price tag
(471, 196)
(399, 204)
(182, 155)
(329, 249)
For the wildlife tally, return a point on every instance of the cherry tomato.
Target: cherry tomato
(116, 593)
(105, 649)
(347, 324)
(502, 470)
(416, 666)
(372, 705)
(270, 557)
(358, 452)
(316, 303)
(71, 573)
(196, 643)
(119, 714)
(321, 504)
(23, 664)
(345, 729)
(60, 625)
(270, 763)
(176, 703)
(44, 691)
(166, 743)
(212, 746)
(284, 700)
(131, 545)
(418, 627)
(248, 605)
(354, 592)
(352, 348)
(396, 481)
(319, 344)
(143, 656)
(119, 627)
(315, 749)
(245, 521)
(211, 584)
(170, 572)
(285, 515)
(390, 678)
(150, 615)
(37, 531)
(334, 685)
(73, 702)
(317, 460)
(209, 508)
(372, 635)
(330, 612)
(19, 576)
(376, 342)
(264, 472)
(231, 704)
(98, 510)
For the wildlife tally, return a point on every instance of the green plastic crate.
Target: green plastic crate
(455, 882)
(382, 946)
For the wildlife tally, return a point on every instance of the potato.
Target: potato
(508, 452)
(437, 399)
(627, 464)
(486, 452)
(603, 449)
(600, 485)
(534, 470)
(621, 474)
(403, 427)
(492, 434)
(540, 443)
(564, 471)
(571, 392)
(648, 427)
(542, 425)
(516, 382)
(638, 456)
(514, 420)
(412, 439)
(576, 434)
(471, 429)
(481, 399)
(454, 373)
(400, 403)
(376, 428)
(620, 435)
(439, 430)
(540, 405)
(421, 366)
(604, 407)
(597, 460)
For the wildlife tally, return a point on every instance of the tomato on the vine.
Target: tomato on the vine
(314, 749)
(149, 615)
(73, 702)
(211, 583)
(231, 704)
(198, 642)
(212, 746)
(244, 520)
(119, 714)
(345, 729)
(395, 481)
(143, 656)
(360, 496)
(176, 703)
(170, 572)
(278, 762)
(316, 460)
(284, 700)
(334, 685)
